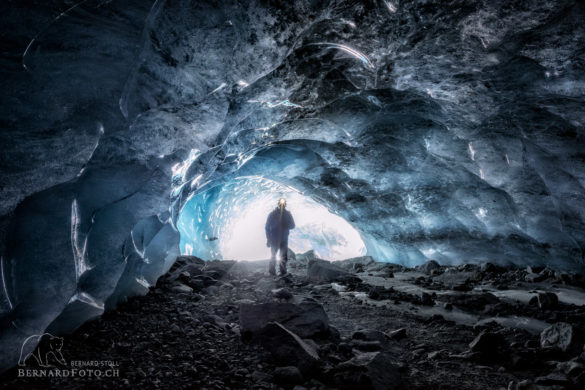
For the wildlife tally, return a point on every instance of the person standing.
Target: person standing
(278, 225)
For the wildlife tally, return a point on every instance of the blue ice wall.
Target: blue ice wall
(439, 130)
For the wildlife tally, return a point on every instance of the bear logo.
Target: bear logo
(48, 348)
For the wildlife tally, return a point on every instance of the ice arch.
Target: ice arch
(228, 222)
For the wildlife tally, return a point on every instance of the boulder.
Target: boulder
(547, 300)
(369, 370)
(325, 271)
(429, 267)
(557, 336)
(306, 319)
(287, 347)
(489, 344)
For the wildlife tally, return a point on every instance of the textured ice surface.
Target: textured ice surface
(444, 130)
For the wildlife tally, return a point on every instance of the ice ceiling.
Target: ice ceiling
(444, 130)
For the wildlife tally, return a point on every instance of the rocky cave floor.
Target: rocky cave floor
(348, 325)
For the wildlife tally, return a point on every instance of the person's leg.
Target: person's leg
(283, 257)
(272, 263)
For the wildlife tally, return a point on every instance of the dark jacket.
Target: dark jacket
(278, 226)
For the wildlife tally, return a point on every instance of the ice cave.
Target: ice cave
(408, 131)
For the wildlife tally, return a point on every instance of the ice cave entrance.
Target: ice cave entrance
(227, 222)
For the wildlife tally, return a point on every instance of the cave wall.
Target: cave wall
(441, 131)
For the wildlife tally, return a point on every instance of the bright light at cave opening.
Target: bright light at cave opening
(229, 223)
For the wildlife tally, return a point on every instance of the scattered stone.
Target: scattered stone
(370, 335)
(534, 269)
(489, 344)
(181, 288)
(426, 299)
(368, 346)
(557, 336)
(303, 259)
(488, 267)
(397, 334)
(287, 347)
(553, 379)
(547, 300)
(282, 293)
(185, 259)
(284, 280)
(306, 319)
(325, 271)
(356, 264)
(369, 370)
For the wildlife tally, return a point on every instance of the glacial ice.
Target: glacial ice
(446, 131)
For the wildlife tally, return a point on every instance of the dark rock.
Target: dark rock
(429, 267)
(398, 334)
(306, 319)
(489, 267)
(356, 264)
(325, 271)
(463, 287)
(557, 336)
(303, 259)
(185, 259)
(533, 269)
(553, 379)
(368, 346)
(535, 278)
(426, 299)
(181, 288)
(472, 301)
(571, 368)
(370, 335)
(218, 267)
(284, 280)
(547, 300)
(334, 334)
(287, 376)
(205, 280)
(489, 344)
(282, 293)
(288, 348)
(369, 370)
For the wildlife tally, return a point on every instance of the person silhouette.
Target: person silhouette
(278, 225)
